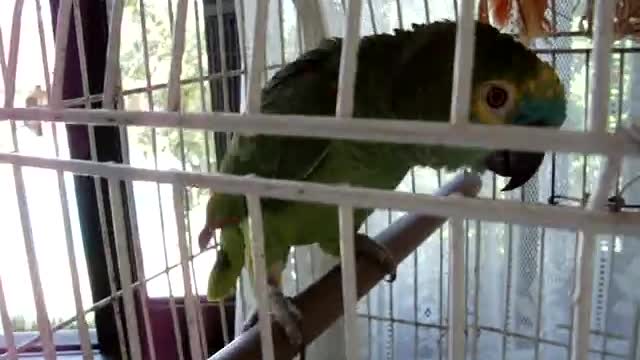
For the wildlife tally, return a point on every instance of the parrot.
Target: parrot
(405, 75)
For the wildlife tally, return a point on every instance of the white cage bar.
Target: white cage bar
(457, 292)
(189, 299)
(349, 286)
(124, 265)
(599, 221)
(394, 131)
(463, 62)
(7, 326)
(112, 70)
(259, 262)
(9, 71)
(349, 59)
(177, 51)
(597, 118)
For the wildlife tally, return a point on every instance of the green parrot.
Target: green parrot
(406, 75)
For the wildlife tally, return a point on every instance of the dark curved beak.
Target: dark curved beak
(519, 166)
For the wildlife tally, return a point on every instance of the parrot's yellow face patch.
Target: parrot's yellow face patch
(493, 102)
(540, 100)
(546, 85)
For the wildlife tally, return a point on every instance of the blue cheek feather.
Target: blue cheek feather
(533, 111)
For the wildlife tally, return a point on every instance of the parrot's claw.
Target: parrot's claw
(284, 312)
(368, 247)
(204, 237)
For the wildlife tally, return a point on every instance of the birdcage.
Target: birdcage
(117, 114)
(626, 21)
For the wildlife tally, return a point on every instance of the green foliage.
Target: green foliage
(195, 96)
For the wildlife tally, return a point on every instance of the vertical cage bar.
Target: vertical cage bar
(112, 83)
(135, 238)
(142, 289)
(634, 352)
(43, 48)
(174, 104)
(60, 56)
(112, 70)
(259, 269)
(177, 51)
(427, 18)
(147, 71)
(84, 75)
(349, 59)
(3, 60)
(538, 323)
(399, 10)
(584, 276)
(416, 263)
(12, 62)
(463, 63)
(391, 351)
(83, 329)
(172, 303)
(372, 15)
(196, 298)
(124, 266)
(61, 42)
(281, 33)
(507, 292)
(224, 78)
(474, 332)
(598, 119)
(611, 263)
(254, 94)
(349, 295)
(222, 47)
(106, 246)
(170, 15)
(145, 54)
(600, 83)
(203, 101)
(189, 300)
(457, 306)
(311, 22)
(440, 279)
(7, 326)
(368, 297)
(240, 20)
(44, 326)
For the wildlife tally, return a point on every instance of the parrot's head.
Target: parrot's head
(511, 85)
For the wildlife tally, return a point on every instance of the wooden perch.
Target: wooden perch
(321, 303)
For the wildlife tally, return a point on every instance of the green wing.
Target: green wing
(306, 86)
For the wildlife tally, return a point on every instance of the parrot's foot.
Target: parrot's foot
(368, 247)
(284, 312)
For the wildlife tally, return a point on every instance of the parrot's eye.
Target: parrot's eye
(497, 97)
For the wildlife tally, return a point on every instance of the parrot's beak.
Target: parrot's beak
(519, 166)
